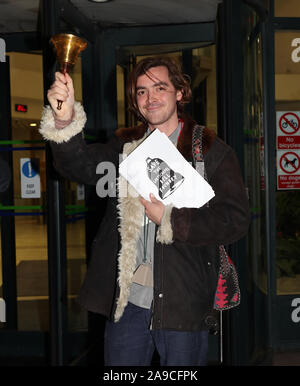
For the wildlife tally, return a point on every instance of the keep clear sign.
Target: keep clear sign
(288, 149)
(30, 178)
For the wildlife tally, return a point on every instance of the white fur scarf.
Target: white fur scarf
(131, 213)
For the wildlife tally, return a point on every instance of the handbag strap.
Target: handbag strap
(197, 148)
(197, 151)
(197, 143)
(199, 163)
(226, 265)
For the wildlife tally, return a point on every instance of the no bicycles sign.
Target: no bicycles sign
(288, 129)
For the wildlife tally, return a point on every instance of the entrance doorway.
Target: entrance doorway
(24, 218)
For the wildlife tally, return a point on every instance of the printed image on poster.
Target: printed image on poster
(288, 169)
(288, 129)
(156, 166)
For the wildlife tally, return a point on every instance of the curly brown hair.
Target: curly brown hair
(179, 80)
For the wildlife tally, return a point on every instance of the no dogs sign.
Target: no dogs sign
(288, 169)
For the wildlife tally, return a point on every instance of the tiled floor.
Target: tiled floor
(32, 276)
(32, 273)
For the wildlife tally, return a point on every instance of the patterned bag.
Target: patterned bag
(228, 294)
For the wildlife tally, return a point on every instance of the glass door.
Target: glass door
(24, 279)
(254, 153)
(287, 110)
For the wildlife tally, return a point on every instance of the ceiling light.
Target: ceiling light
(32, 124)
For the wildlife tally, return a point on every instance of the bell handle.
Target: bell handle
(59, 104)
(65, 68)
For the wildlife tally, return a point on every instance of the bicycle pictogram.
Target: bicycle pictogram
(289, 123)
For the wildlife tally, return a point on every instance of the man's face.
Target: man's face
(157, 98)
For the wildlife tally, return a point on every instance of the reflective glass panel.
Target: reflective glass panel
(287, 105)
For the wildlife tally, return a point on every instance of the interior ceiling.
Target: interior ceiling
(22, 15)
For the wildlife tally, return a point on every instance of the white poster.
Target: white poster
(157, 167)
(30, 178)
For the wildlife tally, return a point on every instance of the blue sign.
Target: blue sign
(28, 170)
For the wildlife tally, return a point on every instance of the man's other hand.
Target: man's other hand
(154, 209)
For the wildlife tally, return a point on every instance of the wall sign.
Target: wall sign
(288, 129)
(288, 169)
(30, 178)
(80, 192)
(288, 149)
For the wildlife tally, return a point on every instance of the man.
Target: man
(141, 237)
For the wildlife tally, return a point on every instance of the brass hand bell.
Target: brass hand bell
(68, 48)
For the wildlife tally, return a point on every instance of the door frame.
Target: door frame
(58, 346)
(280, 304)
